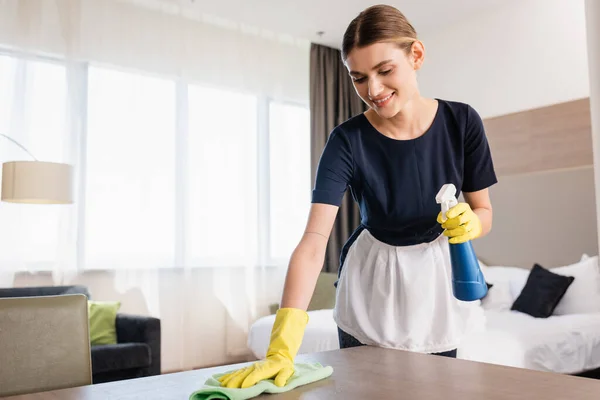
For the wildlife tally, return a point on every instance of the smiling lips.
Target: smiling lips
(383, 101)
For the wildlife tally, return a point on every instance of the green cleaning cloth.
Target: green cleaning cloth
(303, 374)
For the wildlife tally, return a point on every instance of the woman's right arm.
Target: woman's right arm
(307, 259)
(333, 176)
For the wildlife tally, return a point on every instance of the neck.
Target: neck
(411, 122)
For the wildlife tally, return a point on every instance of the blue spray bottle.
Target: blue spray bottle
(468, 283)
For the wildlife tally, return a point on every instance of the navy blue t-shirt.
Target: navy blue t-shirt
(394, 182)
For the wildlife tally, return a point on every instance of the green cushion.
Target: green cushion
(324, 295)
(102, 316)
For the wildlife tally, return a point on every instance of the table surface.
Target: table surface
(362, 373)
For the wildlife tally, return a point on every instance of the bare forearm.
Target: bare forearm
(485, 216)
(303, 271)
(482, 207)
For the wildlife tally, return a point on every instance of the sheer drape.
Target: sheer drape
(49, 49)
(333, 100)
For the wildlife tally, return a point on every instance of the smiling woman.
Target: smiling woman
(394, 288)
(383, 54)
(390, 87)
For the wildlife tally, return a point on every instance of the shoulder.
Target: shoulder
(348, 132)
(462, 112)
(351, 127)
(462, 115)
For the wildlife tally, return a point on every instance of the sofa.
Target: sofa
(137, 352)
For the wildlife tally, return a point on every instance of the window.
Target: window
(289, 179)
(222, 177)
(8, 67)
(130, 171)
(170, 173)
(33, 111)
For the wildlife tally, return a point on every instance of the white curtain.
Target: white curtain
(208, 274)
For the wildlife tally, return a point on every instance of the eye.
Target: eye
(386, 72)
(359, 80)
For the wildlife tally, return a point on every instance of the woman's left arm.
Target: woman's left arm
(481, 205)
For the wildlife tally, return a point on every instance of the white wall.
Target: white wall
(522, 55)
(115, 33)
(593, 35)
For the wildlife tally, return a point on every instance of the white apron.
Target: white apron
(401, 297)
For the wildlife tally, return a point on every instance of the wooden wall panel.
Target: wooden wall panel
(548, 138)
(527, 226)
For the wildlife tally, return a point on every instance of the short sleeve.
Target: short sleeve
(479, 171)
(334, 171)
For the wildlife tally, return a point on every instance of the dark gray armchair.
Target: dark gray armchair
(137, 352)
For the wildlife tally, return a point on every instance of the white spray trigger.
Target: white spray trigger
(447, 198)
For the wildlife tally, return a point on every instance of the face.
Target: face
(384, 75)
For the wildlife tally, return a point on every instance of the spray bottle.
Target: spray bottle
(468, 283)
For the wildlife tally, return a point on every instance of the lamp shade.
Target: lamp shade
(37, 182)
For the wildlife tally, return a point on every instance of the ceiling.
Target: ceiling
(303, 19)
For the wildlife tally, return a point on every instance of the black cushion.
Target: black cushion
(121, 356)
(542, 292)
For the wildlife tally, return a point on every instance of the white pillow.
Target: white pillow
(511, 275)
(507, 285)
(518, 282)
(583, 295)
(498, 297)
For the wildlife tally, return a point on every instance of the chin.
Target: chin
(387, 112)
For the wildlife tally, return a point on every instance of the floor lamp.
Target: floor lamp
(36, 182)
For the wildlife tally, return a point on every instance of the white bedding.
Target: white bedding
(564, 344)
(320, 334)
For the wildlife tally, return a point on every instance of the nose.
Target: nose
(375, 88)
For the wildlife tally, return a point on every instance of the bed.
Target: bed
(567, 342)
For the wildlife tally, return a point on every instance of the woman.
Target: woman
(394, 288)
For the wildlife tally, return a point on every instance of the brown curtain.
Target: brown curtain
(332, 101)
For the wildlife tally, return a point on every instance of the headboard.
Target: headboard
(546, 217)
(544, 202)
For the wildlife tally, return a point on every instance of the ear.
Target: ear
(417, 54)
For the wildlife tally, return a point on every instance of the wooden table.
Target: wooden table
(366, 373)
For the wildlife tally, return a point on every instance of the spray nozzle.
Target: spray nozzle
(447, 198)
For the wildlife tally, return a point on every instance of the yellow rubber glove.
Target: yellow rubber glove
(461, 225)
(286, 337)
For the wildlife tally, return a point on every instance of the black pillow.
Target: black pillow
(542, 292)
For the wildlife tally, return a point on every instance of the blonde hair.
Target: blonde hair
(380, 23)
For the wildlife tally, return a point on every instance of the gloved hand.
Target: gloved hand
(286, 337)
(461, 225)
